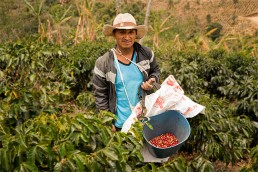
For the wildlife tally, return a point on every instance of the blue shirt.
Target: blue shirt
(132, 80)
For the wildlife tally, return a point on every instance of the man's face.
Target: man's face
(125, 38)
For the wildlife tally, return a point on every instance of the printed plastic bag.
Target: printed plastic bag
(170, 96)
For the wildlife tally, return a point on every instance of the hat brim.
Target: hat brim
(141, 30)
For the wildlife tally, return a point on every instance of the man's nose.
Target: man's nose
(127, 35)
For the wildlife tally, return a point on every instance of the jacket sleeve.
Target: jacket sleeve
(154, 68)
(100, 86)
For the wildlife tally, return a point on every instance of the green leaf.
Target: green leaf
(149, 125)
(119, 137)
(136, 142)
(254, 152)
(164, 169)
(70, 164)
(79, 159)
(4, 160)
(84, 137)
(32, 77)
(31, 7)
(72, 153)
(2, 74)
(179, 166)
(207, 166)
(10, 63)
(32, 154)
(27, 166)
(105, 137)
(62, 150)
(110, 153)
(3, 130)
(84, 121)
(58, 167)
(65, 92)
(246, 133)
(21, 139)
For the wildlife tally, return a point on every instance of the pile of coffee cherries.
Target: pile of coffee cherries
(164, 140)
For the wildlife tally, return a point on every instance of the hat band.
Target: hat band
(122, 24)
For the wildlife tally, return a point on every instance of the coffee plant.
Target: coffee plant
(253, 165)
(83, 57)
(226, 84)
(84, 142)
(34, 79)
(48, 121)
(220, 133)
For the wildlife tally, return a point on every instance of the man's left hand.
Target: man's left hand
(148, 84)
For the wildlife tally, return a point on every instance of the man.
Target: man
(120, 72)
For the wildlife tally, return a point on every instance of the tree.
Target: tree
(86, 23)
(147, 16)
(37, 12)
(159, 27)
(118, 6)
(57, 21)
(216, 29)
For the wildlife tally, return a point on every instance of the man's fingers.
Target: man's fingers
(147, 86)
(151, 80)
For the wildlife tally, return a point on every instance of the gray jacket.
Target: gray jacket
(104, 76)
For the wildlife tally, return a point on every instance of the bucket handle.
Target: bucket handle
(144, 93)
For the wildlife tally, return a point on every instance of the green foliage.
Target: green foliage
(85, 100)
(57, 12)
(178, 164)
(136, 9)
(41, 78)
(230, 75)
(184, 66)
(202, 164)
(34, 79)
(253, 166)
(82, 143)
(46, 122)
(242, 64)
(15, 21)
(215, 30)
(83, 57)
(226, 84)
(39, 82)
(243, 83)
(104, 12)
(220, 133)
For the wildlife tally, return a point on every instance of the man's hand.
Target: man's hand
(113, 128)
(148, 84)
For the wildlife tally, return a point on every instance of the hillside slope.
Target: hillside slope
(236, 16)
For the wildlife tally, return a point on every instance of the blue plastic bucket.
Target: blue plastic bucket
(170, 121)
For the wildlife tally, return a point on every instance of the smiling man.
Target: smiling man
(120, 72)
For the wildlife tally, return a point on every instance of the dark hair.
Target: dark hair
(124, 29)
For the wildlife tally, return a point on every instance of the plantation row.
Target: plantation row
(48, 121)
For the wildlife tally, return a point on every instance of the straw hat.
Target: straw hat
(125, 21)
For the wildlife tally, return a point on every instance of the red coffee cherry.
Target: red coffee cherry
(164, 140)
